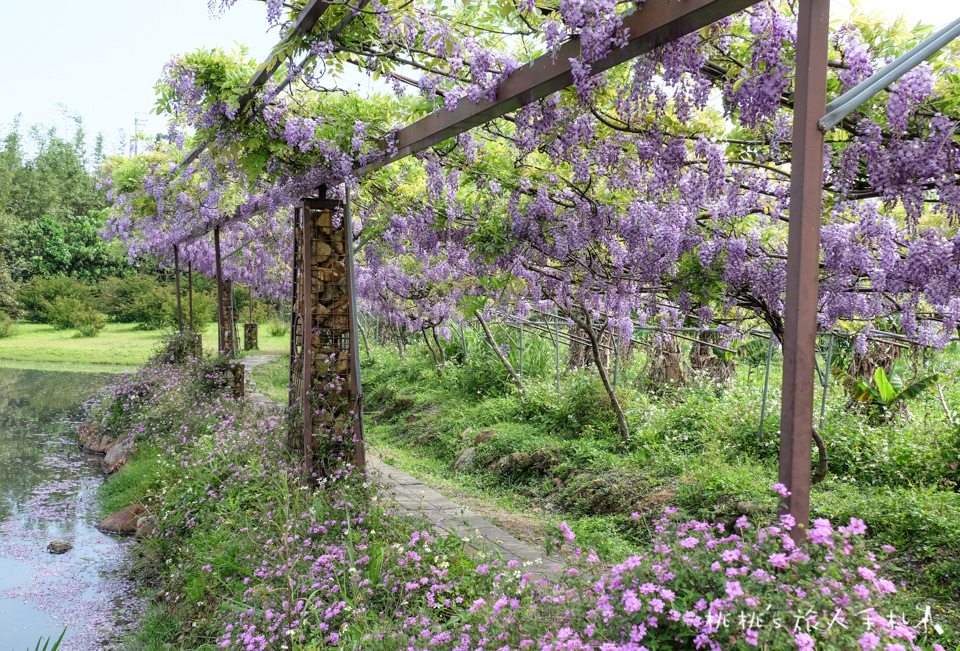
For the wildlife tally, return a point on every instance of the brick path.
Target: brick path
(417, 500)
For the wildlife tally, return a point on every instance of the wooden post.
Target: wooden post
(803, 263)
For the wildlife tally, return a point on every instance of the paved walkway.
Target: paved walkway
(417, 500)
(250, 386)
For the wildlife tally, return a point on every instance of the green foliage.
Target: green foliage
(50, 210)
(143, 300)
(9, 303)
(54, 182)
(47, 643)
(71, 247)
(118, 296)
(277, 328)
(7, 327)
(38, 295)
(178, 348)
(886, 394)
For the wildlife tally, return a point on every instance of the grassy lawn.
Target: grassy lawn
(119, 347)
(269, 343)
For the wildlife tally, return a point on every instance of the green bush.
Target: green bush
(277, 328)
(7, 327)
(141, 299)
(119, 296)
(37, 297)
(9, 304)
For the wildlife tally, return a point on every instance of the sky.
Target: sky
(99, 59)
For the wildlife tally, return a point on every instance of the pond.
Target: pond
(48, 488)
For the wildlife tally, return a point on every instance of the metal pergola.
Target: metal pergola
(653, 24)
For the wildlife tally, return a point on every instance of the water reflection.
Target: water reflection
(48, 492)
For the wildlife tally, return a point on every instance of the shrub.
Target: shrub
(178, 348)
(8, 327)
(39, 294)
(9, 304)
(64, 313)
(119, 296)
(277, 328)
(88, 322)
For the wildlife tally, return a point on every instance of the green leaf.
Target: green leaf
(885, 390)
(918, 387)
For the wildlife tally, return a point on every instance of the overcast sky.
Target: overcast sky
(101, 58)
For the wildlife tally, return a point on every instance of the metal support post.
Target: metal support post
(557, 345)
(220, 315)
(521, 348)
(306, 400)
(190, 290)
(356, 388)
(803, 258)
(825, 383)
(616, 359)
(176, 274)
(766, 383)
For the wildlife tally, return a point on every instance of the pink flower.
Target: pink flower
(869, 641)
(804, 641)
(567, 533)
(780, 488)
(857, 527)
(778, 560)
(733, 589)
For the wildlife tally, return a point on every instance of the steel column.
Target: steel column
(826, 383)
(221, 343)
(306, 283)
(766, 384)
(356, 388)
(176, 275)
(803, 258)
(190, 290)
(293, 299)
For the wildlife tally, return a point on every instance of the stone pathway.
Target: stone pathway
(250, 388)
(417, 500)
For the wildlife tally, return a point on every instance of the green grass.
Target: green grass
(273, 379)
(269, 345)
(118, 348)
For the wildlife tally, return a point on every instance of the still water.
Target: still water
(48, 492)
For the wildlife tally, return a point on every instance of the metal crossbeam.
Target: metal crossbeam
(855, 97)
(656, 23)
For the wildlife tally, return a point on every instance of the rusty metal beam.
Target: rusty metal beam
(655, 23)
(803, 262)
(306, 283)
